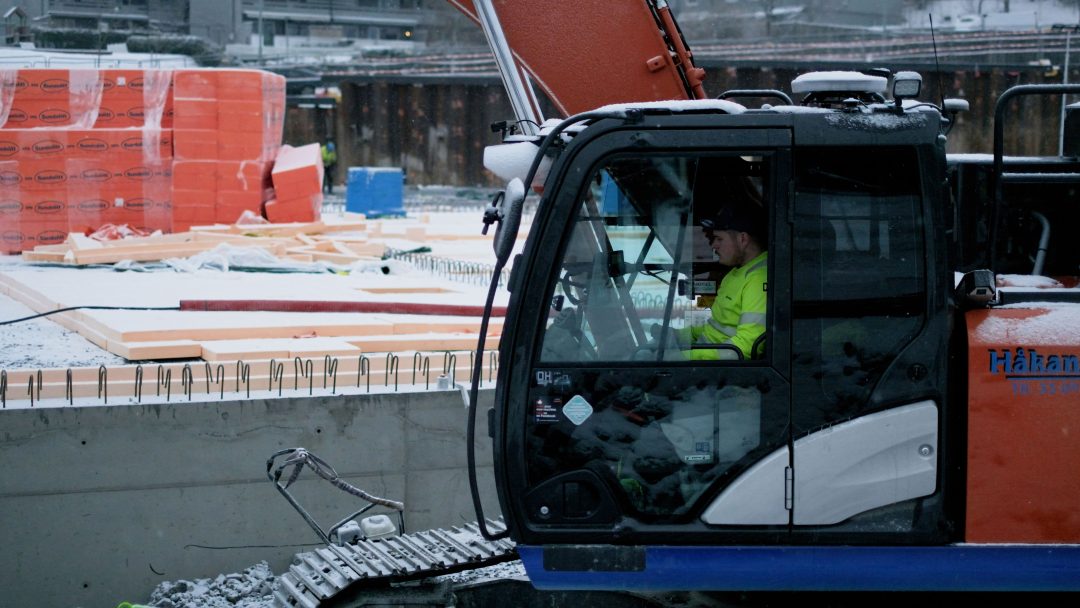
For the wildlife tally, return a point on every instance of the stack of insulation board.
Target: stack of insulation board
(226, 134)
(82, 148)
(297, 177)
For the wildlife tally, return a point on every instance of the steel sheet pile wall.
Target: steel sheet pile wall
(436, 129)
(82, 148)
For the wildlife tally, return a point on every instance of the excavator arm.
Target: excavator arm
(583, 55)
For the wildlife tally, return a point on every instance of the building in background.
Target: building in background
(126, 15)
(247, 30)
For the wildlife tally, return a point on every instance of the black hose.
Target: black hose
(70, 308)
(503, 247)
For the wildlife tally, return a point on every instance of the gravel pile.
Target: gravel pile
(252, 588)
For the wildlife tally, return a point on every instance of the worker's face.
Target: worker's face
(729, 245)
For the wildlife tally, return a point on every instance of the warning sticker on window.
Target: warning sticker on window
(577, 410)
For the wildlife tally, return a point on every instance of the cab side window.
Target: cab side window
(858, 277)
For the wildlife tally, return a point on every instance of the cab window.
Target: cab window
(639, 272)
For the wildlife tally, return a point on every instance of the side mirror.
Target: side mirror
(505, 212)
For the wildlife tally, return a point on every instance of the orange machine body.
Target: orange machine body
(1023, 463)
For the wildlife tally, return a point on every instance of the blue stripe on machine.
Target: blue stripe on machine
(789, 568)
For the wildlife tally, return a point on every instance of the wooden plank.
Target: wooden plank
(309, 228)
(290, 229)
(142, 351)
(342, 248)
(55, 257)
(368, 249)
(342, 238)
(334, 258)
(228, 237)
(152, 240)
(205, 326)
(468, 326)
(231, 350)
(313, 246)
(148, 254)
(215, 228)
(138, 254)
(415, 342)
(414, 289)
(345, 227)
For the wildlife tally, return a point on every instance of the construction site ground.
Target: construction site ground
(433, 257)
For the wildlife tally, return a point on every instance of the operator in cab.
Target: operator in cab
(738, 236)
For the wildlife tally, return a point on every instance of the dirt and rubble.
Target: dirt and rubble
(252, 588)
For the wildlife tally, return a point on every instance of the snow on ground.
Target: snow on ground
(41, 343)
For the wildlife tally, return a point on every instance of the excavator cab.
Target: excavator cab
(633, 269)
(624, 459)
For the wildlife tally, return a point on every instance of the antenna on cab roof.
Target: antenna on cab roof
(937, 63)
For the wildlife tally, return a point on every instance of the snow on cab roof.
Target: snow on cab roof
(982, 157)
(799, 110)
(679, 105)
(839, 81)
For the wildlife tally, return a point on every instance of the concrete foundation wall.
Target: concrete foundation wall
(100, 504)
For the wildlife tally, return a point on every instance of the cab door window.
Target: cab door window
(639, 274)
(619, 396)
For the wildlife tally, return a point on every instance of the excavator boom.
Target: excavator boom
(584, 55)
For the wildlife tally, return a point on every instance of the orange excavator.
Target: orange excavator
(907, 419)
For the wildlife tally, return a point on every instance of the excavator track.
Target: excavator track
(319, 576)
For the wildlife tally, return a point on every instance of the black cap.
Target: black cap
(747, 218)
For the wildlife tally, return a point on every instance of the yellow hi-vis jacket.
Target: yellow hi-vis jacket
(738, 314)
(329, 157)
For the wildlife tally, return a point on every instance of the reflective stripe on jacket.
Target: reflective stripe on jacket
(738, 313)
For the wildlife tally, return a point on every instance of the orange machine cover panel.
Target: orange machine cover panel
(1023, 467)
